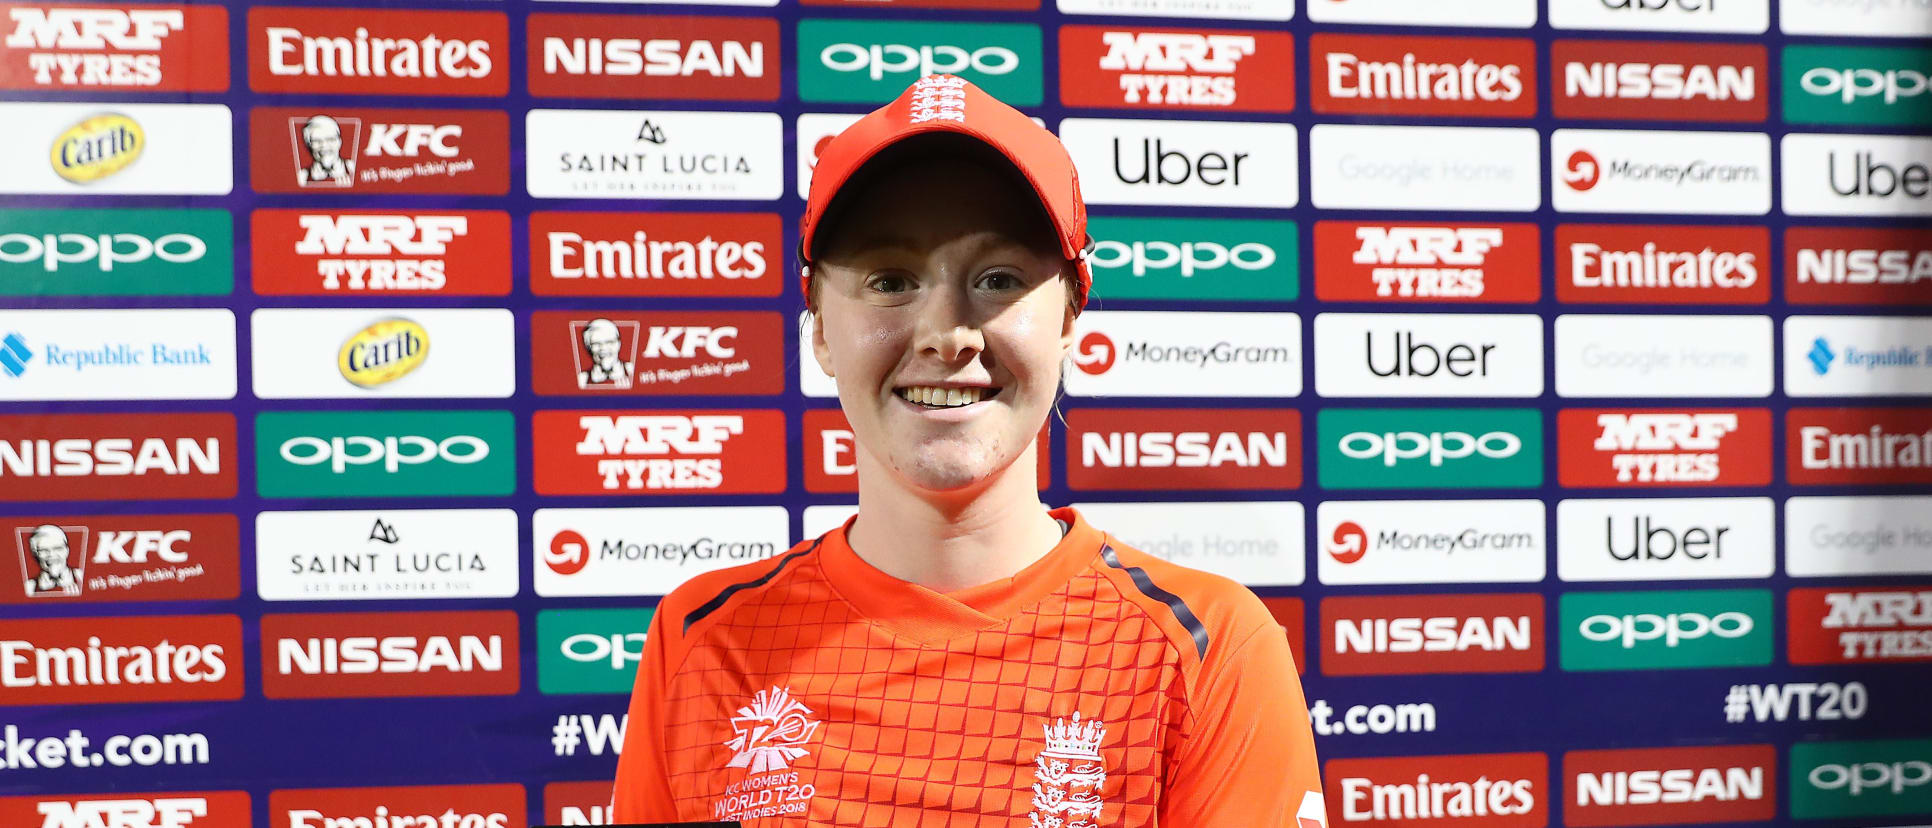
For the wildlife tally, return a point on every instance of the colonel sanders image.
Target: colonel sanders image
(49, 547)
(322, 137)
(603, 345)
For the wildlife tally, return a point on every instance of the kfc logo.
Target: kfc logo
(659, 452)
(381, 252)
(380, 151)
(735, 352)
(1373, 262)
(124, 558)
(115, 48)
(377, 51)
(1239, 71)
(608, 355)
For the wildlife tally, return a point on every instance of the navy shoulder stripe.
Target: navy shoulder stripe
(725, 594)
(1150, 589)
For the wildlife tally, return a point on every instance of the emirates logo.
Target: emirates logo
(769, 732)
(1069, 774)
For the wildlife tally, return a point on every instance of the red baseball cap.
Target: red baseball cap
(950, 104)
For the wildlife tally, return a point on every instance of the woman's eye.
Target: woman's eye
(1000, 280)
(890, 283)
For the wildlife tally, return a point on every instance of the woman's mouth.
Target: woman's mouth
(932, 396)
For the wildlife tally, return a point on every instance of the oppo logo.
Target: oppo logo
(879, 60)
(1438, 446)
(104, 250)
(1851, 84)
(1864, 776)
(1190, 257)
(589, 648)
(1673, 628)
(393, 452)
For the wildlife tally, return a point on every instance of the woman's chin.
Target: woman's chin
(950, 469)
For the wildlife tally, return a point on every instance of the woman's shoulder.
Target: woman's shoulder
(1207, 606)
(708, 593)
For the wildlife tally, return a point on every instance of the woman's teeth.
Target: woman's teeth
(943, 397)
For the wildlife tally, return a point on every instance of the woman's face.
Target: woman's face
(944, 327)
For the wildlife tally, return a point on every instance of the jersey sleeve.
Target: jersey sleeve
(643, 789)
(1249, 759)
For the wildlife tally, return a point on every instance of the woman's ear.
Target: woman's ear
(820, 351)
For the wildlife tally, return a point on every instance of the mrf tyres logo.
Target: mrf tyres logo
(606, 353)
(589, 651)
(1638, 80)
(1377, 262)
(1858, 85)
(1195, 259)
(1115, 68)
(1860, 625)
(377, 51)
(1663, 264)
(113, 48)
(873, 61)
(1398, 75)
(169, 809)
(1670, 786)
(1857, 266)
(1620, 448)
(1388, 448)
(1665, 630)
(659, 452)
(655, 254)
(629, 56)
(345, 150)
(303, 252)
(118, 660)
(367, 654)
(1422, 634)
(117, 456)
(53, 252)
(384, 453)
(1852, 779)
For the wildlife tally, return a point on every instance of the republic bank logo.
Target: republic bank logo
(1820, 356)
(14, 354)
(1581, 172)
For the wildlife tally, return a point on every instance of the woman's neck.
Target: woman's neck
(953, 540)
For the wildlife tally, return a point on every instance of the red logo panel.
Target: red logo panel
(1857, 266)
(1359, 261)
(577, 803)
(117, 456)
(1861, 446)
(1654, 81)
(596, 452)
(378, 51)
(47, 560)
(1663, 447)
(1469, 77)
(831, 456)
(339, 150)
(656, 254)
(185, 809)
(655, 56)
(1122, 68)
(1662, 264)
(490, 806)
(612, 353)
(368, 654)
(1860, 625)
(1418, 634)
(381, 252)
(1184, 448)
(112, 47)
(1293, 618)
(1441, 790)
(1670, 786)
(121, 660)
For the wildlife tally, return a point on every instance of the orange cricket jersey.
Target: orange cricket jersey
(1099, 686)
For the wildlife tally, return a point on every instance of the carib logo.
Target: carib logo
(1582, 171)
(1820, 355)
(1095, 354)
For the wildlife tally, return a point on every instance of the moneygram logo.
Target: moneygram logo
(605, 353)
(1382, 448)
(353, 150)
(120, 660)
(1171, 354)
(1639, 80)
(119, 558)
(1670, 786)
(1423, 634)
(589, 651)
(1844, 446)
(1857, 85)
(1431, 542)
(1184, 448)
(1582, 172)
(1845, 779)
(654, 254)
(1375, 262)
(379, 654)
(468, 806)
(1348, 543)
(1857, 266)
(1648, 171)
(1115, 68)
(171, 809)
(659, 452)
(1095, 354)
(626, 56)
(1396, 75)
(648, 551)
(117, 456)
(374, 51)
(113, 47)
(1860, 625)
(1669, 264)
(1195, 259)
(381, 252)
(384, 453)
(873, 61)
(1624, 448)
(1665, 630)
(53, 252)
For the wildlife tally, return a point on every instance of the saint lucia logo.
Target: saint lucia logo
(769, 731)
(1069, 774)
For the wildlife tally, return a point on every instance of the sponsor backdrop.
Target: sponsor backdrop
(1557, 371)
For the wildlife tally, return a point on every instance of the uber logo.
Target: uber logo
(1664, 539)
(1428, 355)
(1628, 355)
(1729, 16)
(1513, 14)
(1857, 175)
(1353, 167)
(1193, 163)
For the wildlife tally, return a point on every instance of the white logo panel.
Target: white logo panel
(1857, 175)
(1209, 9)
(1711, 16)
(1508, 14)
(654, 154)
(117, 354)
(383, 554)
(1183, 163)
(815, 130)
(298, 352)
(647, 551)
(1258, 544)
(1833, 536)
(180, 149)
(1664, 539)
(1630, 355)
(1857, 356)
(1654, 171)
(1429, 541)
(1424, 168)
(1858, 18)
(821, 519)
(1428, 355)
(1185, 354)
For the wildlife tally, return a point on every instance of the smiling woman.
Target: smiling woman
(957, 654)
